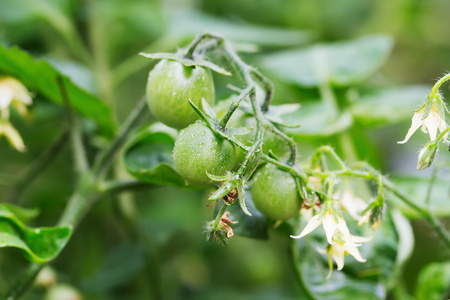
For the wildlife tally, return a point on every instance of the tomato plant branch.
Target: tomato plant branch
(244, 94)
(248, 74)
(288, 140)
(268, 87)
(117, 186)
(425, 213)
(104, 159)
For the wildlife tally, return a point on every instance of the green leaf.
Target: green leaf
(189, 23)
(318, 120)
(434, 282)
(40, 76)
(388, 106)
(416, 189)
(254, 226)
(342, 64)
(38, 244)
(148, 156)
(367, 280)
(23, 214)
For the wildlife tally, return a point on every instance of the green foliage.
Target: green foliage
(433, 282)
(341, 64)
(39, 76)
(387, 106)
(38, 244)
(149, 243)
(318, 120)
(417, 188)
(148, 156)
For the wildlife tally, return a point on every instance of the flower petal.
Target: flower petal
(361, 239)
(351, 248)
(338, 252)
(415, 124)
(313, 223)
(6, 96)
(442, 127)
(14, 137)
(329, 225)
(432, 122)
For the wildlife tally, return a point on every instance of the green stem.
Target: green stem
(219, 216)
(198, 39)
(81, 201)
(332, 153)
(244, 94)
(104, 158)
(117, 186)
(268, 87)
(438, 84)
(288, 140)
(430, 187)
(441, 136)
(429, 218)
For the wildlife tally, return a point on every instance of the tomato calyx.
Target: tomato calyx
(197, 60)
(232, 186)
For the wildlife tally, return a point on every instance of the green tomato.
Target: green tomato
(198, 150)
(275, 193)
(170, 85)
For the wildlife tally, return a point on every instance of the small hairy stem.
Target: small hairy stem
(244, 94)
(104, 159)
(288, 140)
(219, 216)
(251, 158)
(287, 168)
(441, 136)
(438, 84)
(267, 85)
(329, 150)
(429, 218)
(198, 39)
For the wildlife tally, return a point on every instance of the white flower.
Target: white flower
(329, 222)
(344, 245)
(14, 138)
(366, 219)
(351, 203)
(431, 122)
(12, 90)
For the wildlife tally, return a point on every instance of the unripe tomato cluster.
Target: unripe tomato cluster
(199, 151)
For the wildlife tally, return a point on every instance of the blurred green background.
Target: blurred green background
(155, 248)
